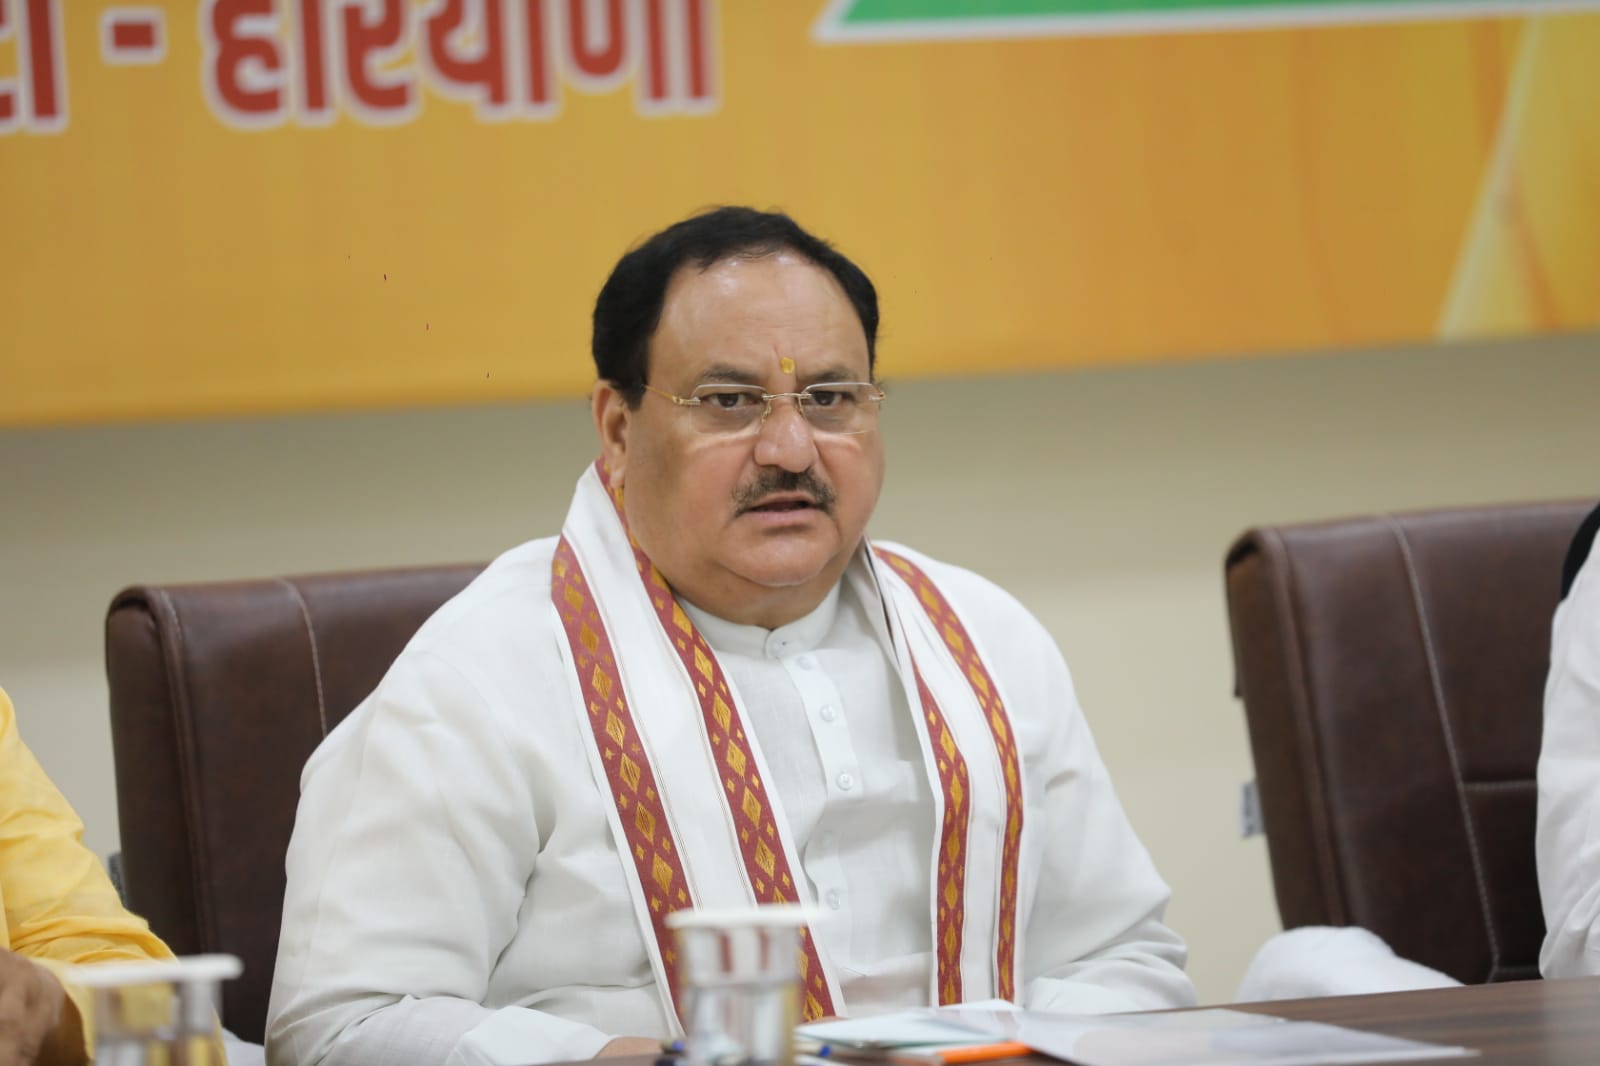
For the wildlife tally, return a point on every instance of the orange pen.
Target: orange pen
(957, 1056)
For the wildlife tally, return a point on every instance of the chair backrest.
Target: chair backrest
(219, 693)
(1392, 670)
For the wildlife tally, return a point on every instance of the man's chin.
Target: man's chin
(786, 559)
(778, 579)
(778, 570)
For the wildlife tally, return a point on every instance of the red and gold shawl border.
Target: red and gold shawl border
(956, 638)
(628, 771)
(950, 891)
(765, 862)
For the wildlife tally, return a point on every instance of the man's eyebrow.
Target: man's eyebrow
(833, 373)
(725, 374)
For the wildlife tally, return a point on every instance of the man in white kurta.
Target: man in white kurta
(711, 690)
(1568, 840)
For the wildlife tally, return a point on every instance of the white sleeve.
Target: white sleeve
(1568, 840)
(413, 844)
(1094, 940)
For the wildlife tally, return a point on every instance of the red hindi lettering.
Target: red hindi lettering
(676, 60)
(368, 46)
(539, 86)
(654, 84)
(42, 65)
(243, 63)
(356, 38)
(596, 47)
(464, 48)
(314, 103)
(698, 53)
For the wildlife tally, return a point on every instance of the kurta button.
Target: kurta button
(846, 781)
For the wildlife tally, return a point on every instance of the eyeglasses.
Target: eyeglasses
(837, 407)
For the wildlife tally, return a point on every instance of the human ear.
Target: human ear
(612, 416)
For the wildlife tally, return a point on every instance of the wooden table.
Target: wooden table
(1531, 1023)
(1554, 1023)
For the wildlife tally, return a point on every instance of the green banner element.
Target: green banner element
(980, 19)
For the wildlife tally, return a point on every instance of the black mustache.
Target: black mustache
(774, 482)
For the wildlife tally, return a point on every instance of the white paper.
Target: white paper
(916, 1028)
(1212, 1038)
(1215, 1037)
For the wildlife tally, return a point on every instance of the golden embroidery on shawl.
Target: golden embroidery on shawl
(959, 643)
(752, 814)
(632, 781)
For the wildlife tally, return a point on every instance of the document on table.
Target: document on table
(920, 1028)
(1169, 1038)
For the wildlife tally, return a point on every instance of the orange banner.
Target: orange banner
(225, 206)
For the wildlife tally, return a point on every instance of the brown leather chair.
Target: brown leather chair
(218, 694)
(1392, 670)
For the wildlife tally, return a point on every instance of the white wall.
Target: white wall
(1105, 500)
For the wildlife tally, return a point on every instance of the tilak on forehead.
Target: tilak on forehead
(786, 365)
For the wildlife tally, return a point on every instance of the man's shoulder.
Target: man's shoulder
(1580, 551)
(512, 593)
(484, 660)
(1016, 646)
(974, 596)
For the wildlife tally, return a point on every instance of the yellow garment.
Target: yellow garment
(59, 907)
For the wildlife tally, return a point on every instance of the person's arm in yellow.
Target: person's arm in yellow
(60, 908)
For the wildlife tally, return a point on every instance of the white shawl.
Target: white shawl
(691, 808)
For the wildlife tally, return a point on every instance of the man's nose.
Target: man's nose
(785, 439)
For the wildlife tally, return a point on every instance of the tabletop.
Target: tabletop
(1531, 1023)
(1541, 1023)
